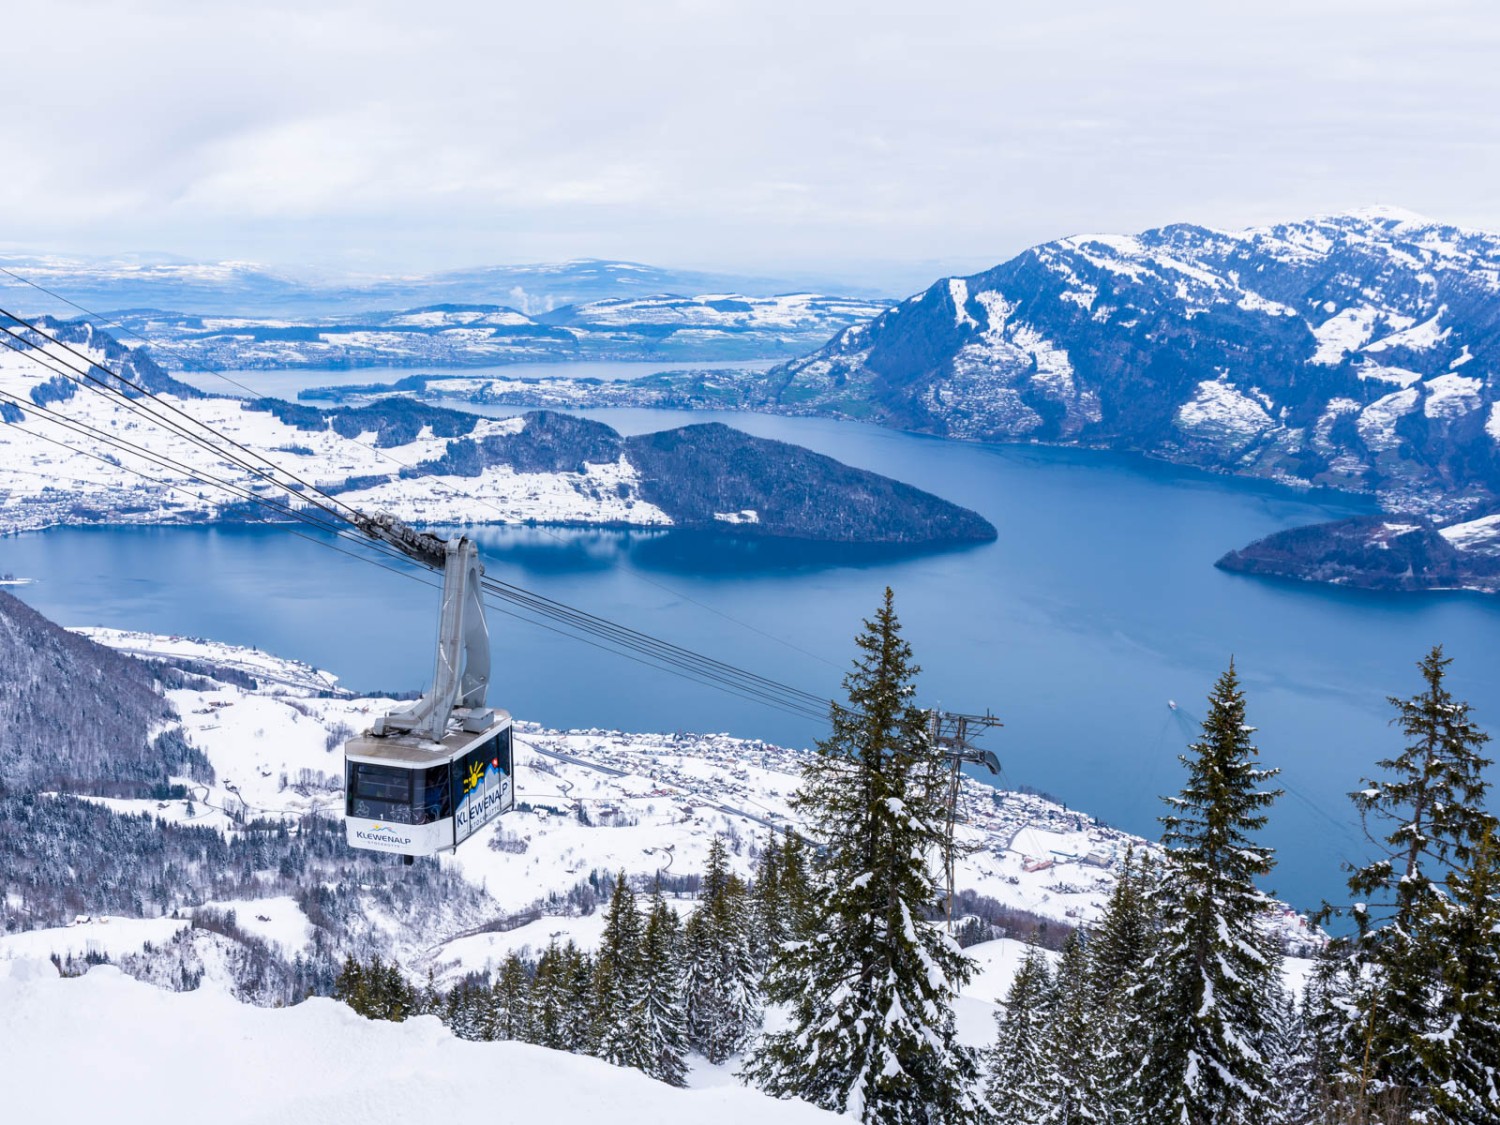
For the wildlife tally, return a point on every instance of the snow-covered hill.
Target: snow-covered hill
(422, 463)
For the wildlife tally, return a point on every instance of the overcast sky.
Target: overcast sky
(875, 141)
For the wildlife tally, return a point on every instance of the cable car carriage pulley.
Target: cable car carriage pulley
(426, 777)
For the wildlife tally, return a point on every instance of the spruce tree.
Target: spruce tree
(722, 986)
(1212, 972)
(767, 910)
(798, 896)
(871, 1026)
(618, 982)
(1290, 1061)
(579, 1017)
(1432, 796)
(661, 1021)
(1017, 1084)
(551, 1001)
(1462, 1055)
(1072, 1053)
(510, 1001)
(1118, 949)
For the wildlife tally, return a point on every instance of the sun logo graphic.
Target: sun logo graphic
(474, 777)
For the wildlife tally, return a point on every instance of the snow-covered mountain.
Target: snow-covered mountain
(421, 462)
(1357, 351)
(722, 326)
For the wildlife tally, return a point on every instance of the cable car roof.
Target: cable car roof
(414, 750)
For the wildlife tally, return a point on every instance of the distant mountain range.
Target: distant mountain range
(249, 290)
(658, 327)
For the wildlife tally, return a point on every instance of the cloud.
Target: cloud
(764, 135)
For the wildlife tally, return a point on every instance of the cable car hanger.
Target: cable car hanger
(427, 776)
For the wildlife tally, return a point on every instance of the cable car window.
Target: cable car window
(436, 798)
(380, 792)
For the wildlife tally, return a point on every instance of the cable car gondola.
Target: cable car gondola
(426, 777)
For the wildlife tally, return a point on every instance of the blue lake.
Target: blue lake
(1098, 604)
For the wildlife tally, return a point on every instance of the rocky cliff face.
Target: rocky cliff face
(1357, 352)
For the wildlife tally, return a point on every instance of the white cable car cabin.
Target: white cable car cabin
(411, 796)
(426, 777)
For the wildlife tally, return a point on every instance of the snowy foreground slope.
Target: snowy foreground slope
(104, 1047)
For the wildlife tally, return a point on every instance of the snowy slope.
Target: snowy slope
(654, 802)
(103, 1047)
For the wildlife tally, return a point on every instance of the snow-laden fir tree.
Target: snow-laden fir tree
(1017, 1085)
(510, 1001)
(1289, 1058)
(1118, 948)
(870, 995)
(1432, 797)
(619, 982)
(722, 978)
(551, 999)
(1328, 1006)
(661, 1023)
(1211, 975)
(798, 895)
(1073, 1053)
(578, 1017)
(767, 912)
(1462, 1054)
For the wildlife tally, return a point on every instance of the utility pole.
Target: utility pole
(951, 734)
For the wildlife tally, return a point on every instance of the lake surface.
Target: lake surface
(1097, 605)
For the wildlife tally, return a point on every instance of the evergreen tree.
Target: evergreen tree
(510, 1001)
(350, 987)
(1327, 1007)
(579, 1015)
(1289, 1061)
(466, 1010)
(618, 982)
(768, 912)
(799, 898)
(722, 985)
(662, 1025)
(1118, 949)
(552, 1001)
(1462, 1056)
(1432, 795)
(1213, 968)
(1017, 1085)
(1071, 1056)
(871, 1027)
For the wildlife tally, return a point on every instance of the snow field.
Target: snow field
(104, 1047)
